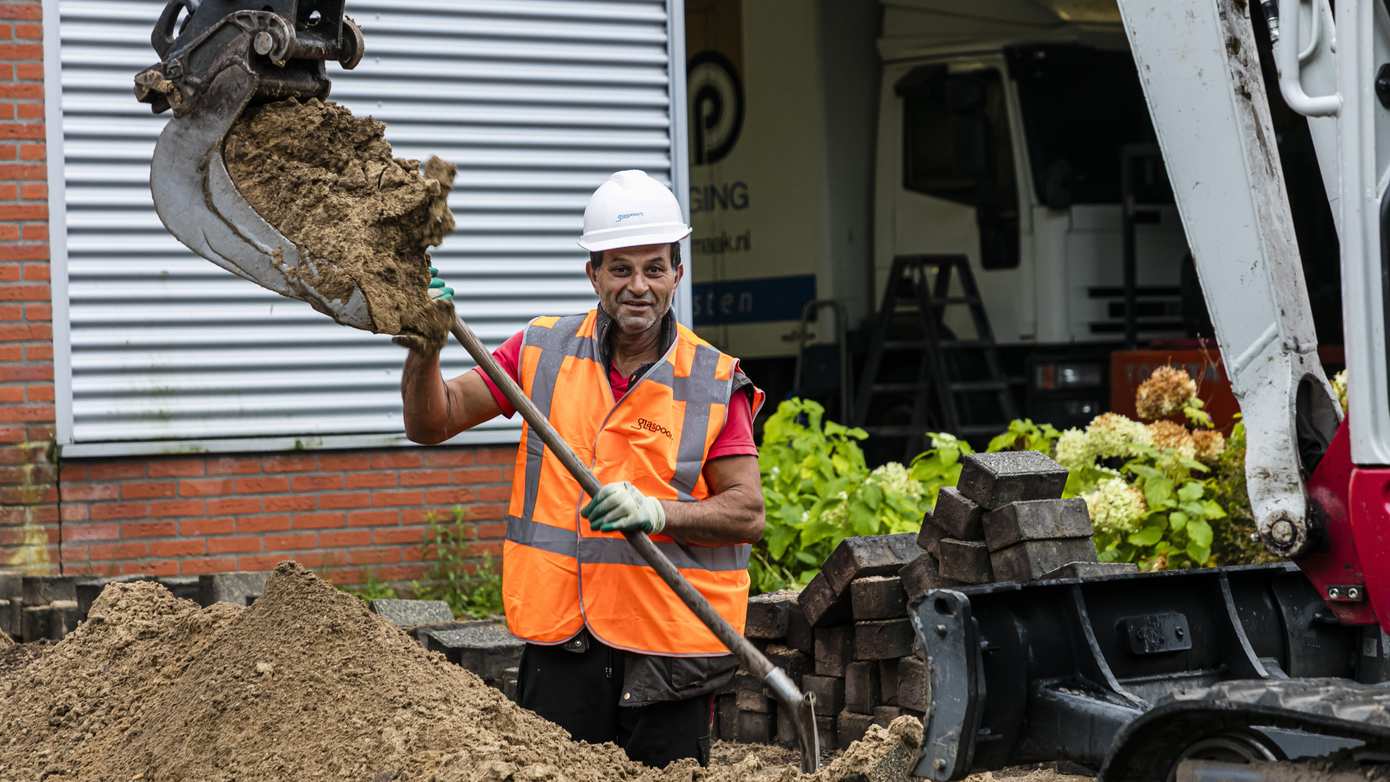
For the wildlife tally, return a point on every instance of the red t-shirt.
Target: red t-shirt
(735, 439)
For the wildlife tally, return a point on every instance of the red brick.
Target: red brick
(262, 484)
(163, 509)
(38, 352)
(371, 480)
(233, 506)
(260, 561)
(232, 465)
(481, 475)
(21, 10)
(206, 526)
(395, 460)
(36, 272)
(199, 565)
(373, 518)
(241, 544)
(17, 212)
(176, 468)
(345, 538)
(263, 523)
(344, 462)
(15, 52)
(26, 332)
(289, 502)
(10, 312)
(39, 393)
(163, 567)
(145, 490)
(342, 501)
(178, 548)
(455, 495)
(448, 456)
(149, 529)
(116, 470)
(490, 531)
(295, 463)
(122, 550)
(76, 532)
(424, 478)
(21, 91)
(318, 520)
(373, 556)
(316, 482)
(292, 541)
(399, 535)
(382, 499)
(108, 511)
(28, 32)
(401, 572)
(35, 191)
(10, 374)
(74, 512)
(204, 487)
(26, 413)
(11, 394)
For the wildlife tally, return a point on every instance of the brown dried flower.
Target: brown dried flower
(1164, 394)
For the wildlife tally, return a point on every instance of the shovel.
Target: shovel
(200, 205)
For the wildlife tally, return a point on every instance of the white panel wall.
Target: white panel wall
(536, 101)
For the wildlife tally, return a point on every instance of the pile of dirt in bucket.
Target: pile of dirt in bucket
(362, 218)
(304, 685)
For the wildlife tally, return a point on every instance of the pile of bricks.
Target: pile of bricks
(39, 608)
(1004, 521)
(847, 637)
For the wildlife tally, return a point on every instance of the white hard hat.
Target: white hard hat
(629, 210)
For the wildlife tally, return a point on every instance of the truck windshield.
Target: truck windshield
(1081, 107)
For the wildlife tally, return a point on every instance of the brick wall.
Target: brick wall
(348, 514)
(345, 513)
(28, 509)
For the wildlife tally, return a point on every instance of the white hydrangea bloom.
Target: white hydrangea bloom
(1112, 434)
(894, 477)
(1074, 450)
(1115, 506)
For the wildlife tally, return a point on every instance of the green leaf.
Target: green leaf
(1199, 533)
(1158, 492)
(1147, 536)
(1144, 470)
(872, 496)
(1177, 520)
(1190, 491)
(1198, 553)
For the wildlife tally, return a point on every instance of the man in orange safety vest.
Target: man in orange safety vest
(665, 421)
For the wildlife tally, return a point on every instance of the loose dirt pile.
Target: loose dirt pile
(304, 685)
(362, 218)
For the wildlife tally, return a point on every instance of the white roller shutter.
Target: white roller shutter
(536, 101)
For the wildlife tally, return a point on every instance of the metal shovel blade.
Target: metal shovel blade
(200, 205)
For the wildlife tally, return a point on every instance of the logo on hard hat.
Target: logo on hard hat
(629, 215)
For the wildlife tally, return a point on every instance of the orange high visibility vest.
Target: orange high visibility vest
(559, 576)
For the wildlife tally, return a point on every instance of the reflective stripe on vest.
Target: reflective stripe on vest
(558, 575)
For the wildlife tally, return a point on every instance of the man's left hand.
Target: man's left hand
(619, 507)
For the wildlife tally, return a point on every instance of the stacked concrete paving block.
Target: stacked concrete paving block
(843, 638)
(484, 647)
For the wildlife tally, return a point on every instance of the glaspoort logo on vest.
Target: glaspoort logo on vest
(652, 426)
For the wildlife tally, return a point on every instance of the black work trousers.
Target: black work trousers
(582, 692)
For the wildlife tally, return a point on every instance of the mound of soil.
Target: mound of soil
(304, 685)
(361, 218)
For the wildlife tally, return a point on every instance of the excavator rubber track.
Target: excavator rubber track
(1149, 747)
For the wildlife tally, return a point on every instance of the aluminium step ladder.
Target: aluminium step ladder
(919, 375)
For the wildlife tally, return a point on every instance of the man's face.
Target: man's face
(635, 285)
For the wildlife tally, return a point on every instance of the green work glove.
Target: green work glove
(438, 290)
(619, 507)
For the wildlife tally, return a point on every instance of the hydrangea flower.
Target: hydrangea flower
(1167, 391)
(894, 478)
(1112, 434)
(1339, 387)
(1175, 437)
(1074, 450)
(1210, 444)
(1115, 506)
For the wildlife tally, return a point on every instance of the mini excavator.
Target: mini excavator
(1251, 673)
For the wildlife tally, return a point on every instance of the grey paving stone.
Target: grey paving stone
(861, 687)
(883, 639)
(829, 691)
(914, 684)
(1036, 520)
(1031, 560)
(834, 649)
(240, 588)
(42, 590)
(821, 605)
(755, 727)
(412, 613)
(966, 561)
(958, 515)
(1092, 570)
(888, 681)
(877, 597)
(851, 727)
(769, 614)
(993, 480)
(922, 575)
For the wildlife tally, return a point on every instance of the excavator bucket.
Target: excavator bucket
(218, 57)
